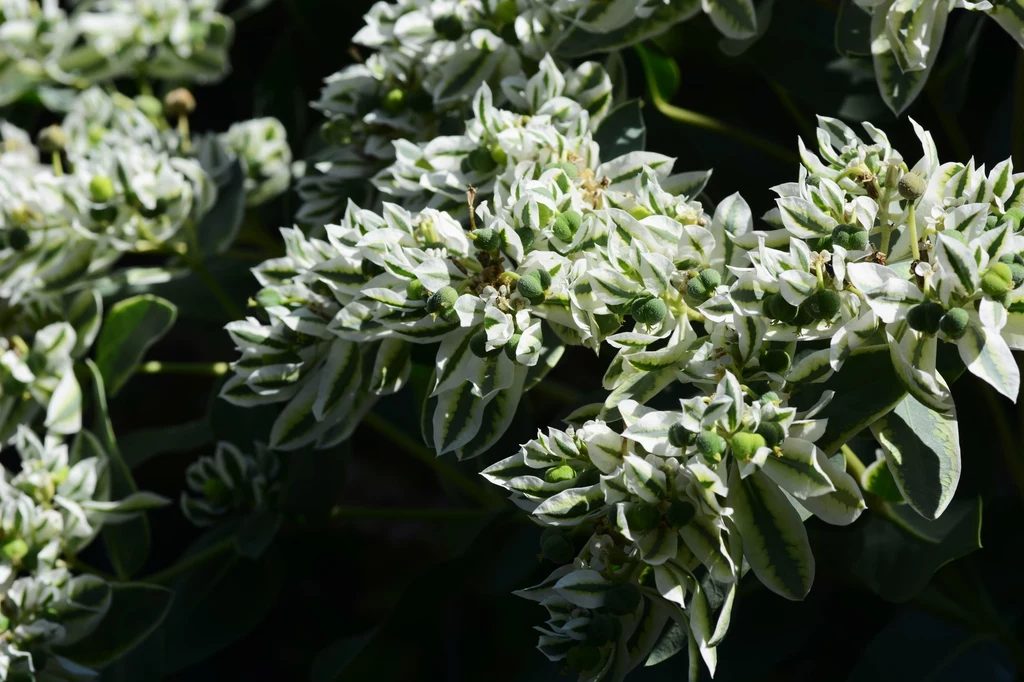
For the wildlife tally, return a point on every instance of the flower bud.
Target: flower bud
(52, 139)
(486, 239)
(954, 323)
(912, 186)
(179, 102)
(851, 237)
(711, 445)
(680, 513)
(649, 311)
(394, 101)
(775, 361)
(14, 550)
(583, 657)
(679, 437)
(997, 280)
(642, 517)
(557, 549)
(925, 317)
(566, 225)
(602, 629)
(512, 345)
(772, 432)
(442, 299)
(481, 161)
(101, 189)
(448, 27)
(622, 600)
(745, 445)
(560, 474)
(414, 290)
(530, 288)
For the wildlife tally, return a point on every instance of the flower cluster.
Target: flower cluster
(42, 46)
(261, 145)
(501, 298)
(228, 482)
(430, 58)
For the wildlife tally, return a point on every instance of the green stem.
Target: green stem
(191, 562)
(692, 118)
(912, 226)
(58, 167)
(408, 514)
(883, 217)
(418, 450)
(184, 134)
(202, 368)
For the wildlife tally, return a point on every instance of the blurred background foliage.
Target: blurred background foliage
(334, 595)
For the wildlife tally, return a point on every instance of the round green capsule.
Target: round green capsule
(745, 444)
(775, 361)
(394, 101)
(560, 474)
(781, 309)
(498, 155)
(642, 517)
(679, 437)
(506, 12)
(478, 345)
(14, 550)
(511, 345)
(486, 239)
(566, 225)
(101, 189)
(570, 169)
(52, 139)
(851, 237)
(696, 289)
(997, 280)
(449, 315)
(772, 432)
(544, 276)
(481, 161)
(622, 600)
(954, 323)
(1017, 270)
(912, 186)
(769, 397)
(824, 304)
(711, 445)
(649, 310)
(1015, 215)
(442, 299)
(18, 238)
(640, 212)
(530, 288)
(711, 278)
(925, 317)
(448, 27)
(680, 513)
(414, 290)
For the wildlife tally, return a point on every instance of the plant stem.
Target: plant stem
(912, 226)
(692, 118)
(883, 218)
(441, 467)
(191, 562)
(203, 368)
(407, 514)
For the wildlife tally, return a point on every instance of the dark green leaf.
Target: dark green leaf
(622, 131)
(218, 228)
(580, 43)
(853, 30)
(662, 71)
(131, 327)
(140, 446)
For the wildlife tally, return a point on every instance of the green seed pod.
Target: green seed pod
(711, 278)
(101, 189)
(448, 27)
(850, 237)
(583, 657)
(925, 317)
(696, 289)
(1015, 214)
(912, 186)
(824, 304)
(498, 155)
(602, 629)
(486, 239)
(622, 600)
(772, 433)
(478, 344)
(511, 345)
(1017, 270)
(442, 299)
(179, 102)
(560, 474)
(530, 288)
(640, 212)
(150, 106)
(680, 513)
(711, 445)
(481, 161)
(449, 315)
(506, 12)
(649, 310)
(679, 437)
(216, 491)
(527, 238)
(775, 361)
(745, 444)
(557, 549)
(954, 323)
(544, 276)
(18, 238)
(394, 101)
(803, 317)
(642, 517)
(997, 280)
(52, 139)
(781, 309)
(414, 290)
(566, 225)
(14, 550)
(991, 222)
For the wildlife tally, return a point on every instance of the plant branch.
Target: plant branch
(215, 369)
(441, 467)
